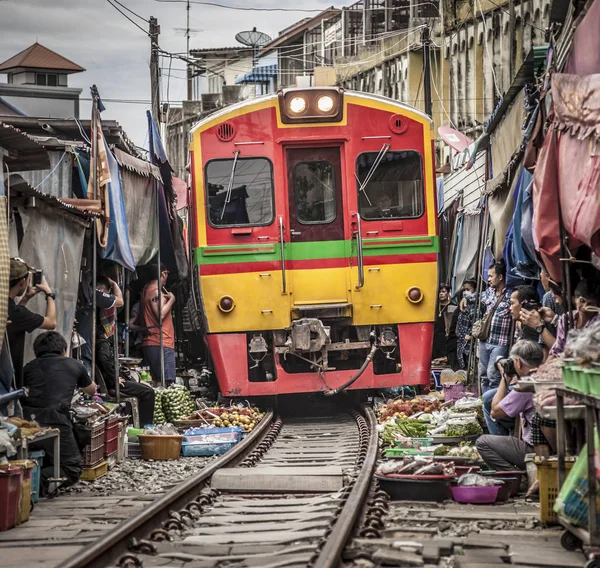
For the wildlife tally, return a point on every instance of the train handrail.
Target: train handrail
(282, 243)
(359, 253)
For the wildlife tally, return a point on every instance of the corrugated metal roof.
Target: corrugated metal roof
(215, 50)
(24, 153)
(37, 56)
(17, 185)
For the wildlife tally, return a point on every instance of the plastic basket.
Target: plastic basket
(576, 379)
(206, 449)
(111, 437)
(38, 457)
(133, 451)
(547, 474)
(160, 447)
(10, 491)
(133, 433)
(95, 472)
(454, 391)
(26, 488)
(94, 452)
(593, 376)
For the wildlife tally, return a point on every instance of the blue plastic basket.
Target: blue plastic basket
(206, 449)
(36, 473)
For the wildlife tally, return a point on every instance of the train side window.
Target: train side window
(395, 187)
(240, 193)
(314, 192)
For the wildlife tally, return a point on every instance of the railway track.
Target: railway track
(288, 495)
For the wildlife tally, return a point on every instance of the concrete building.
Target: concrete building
(38, 84)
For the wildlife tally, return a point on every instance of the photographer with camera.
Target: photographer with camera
(505, 453)
(26, 283)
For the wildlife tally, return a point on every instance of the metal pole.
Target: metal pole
(158, 260)
(127, 312)
(116, 350)
(427, 72)
(94, 227)
(154, 68)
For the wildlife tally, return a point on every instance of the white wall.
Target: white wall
(44, 107)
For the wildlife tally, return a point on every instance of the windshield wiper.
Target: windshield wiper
(230, 186)
(378, 160)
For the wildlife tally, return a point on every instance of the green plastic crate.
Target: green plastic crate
(593, 376)
(401, 452)
(576, 379)
(423, 442)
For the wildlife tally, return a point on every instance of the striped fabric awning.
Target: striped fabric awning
(260, 74)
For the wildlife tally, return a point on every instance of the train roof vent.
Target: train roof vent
(398, 124)
(225, 132)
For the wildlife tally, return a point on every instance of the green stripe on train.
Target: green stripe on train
(316, 250)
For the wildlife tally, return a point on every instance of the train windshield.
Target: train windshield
(395, 190)
(314, 192)
(239, 192)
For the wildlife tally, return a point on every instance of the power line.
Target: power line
(241, 8)
(126, 16)
(131, 11)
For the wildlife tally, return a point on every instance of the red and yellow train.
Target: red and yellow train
(315, 242)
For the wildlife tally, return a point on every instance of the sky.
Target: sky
(116, 54)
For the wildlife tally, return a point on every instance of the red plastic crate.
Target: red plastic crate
(94, 452)
(10, 494)
(111, 437)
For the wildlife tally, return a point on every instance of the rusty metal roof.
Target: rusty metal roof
(22, 153)
(37, 56)
(16, 185)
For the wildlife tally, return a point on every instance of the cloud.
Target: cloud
(116, 54)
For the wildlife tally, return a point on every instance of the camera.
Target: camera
(36, 276)
(507, 366)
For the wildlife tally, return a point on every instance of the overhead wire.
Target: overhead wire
(243, 8)
(126, 16)
(131, 11)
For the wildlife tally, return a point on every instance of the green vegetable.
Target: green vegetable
(473, 429)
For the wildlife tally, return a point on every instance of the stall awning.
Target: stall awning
(260, 74)
(22, 153)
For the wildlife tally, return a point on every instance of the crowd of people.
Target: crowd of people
(518, 330)
(50, 380)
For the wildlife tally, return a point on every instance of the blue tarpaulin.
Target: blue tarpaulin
(260, 74)
(117, 247)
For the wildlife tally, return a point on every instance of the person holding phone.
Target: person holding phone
(22, 320)
(151, 329)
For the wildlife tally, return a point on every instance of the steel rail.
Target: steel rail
(331, 553)
(106, 550)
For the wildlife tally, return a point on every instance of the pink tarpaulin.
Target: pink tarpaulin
(181, 190)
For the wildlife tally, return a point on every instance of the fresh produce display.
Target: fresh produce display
(402, 408)
(244, 417)
(171, 404)
(470, 429)
(159, 415)
(464, 450)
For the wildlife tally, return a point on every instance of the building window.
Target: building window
(314, 192)
(395, 187)
(240, 194)
(46, 79)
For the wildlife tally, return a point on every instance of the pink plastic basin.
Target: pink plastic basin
(475, 494)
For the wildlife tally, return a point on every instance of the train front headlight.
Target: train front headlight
(226, 304)
(325, 103)
(297, 105)
(414, 295)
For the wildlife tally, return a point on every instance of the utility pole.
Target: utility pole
(511, 35)
(426, 41)
(187, 54)
(154, 70)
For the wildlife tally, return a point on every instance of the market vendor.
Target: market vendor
(52, 378)
(505, 453)
(442, 322)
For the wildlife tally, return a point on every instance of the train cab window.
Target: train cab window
(314, 192)
(394, 189)
(239, 192)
